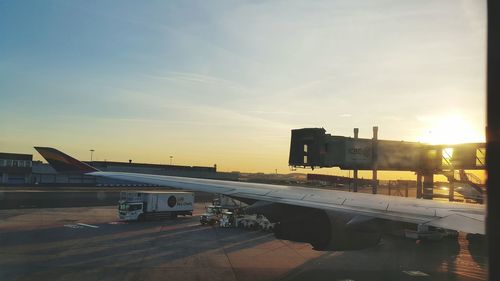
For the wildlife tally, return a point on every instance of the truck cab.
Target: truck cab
(130, 210)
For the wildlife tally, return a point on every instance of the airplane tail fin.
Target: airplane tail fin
(64, 163)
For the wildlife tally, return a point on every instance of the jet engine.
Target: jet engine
(324, 230)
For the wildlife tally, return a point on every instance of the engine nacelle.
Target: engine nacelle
(324, 230)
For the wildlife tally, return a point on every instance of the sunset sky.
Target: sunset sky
(225, 81)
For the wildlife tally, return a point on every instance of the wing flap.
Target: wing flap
(459, 223)
(411, 209)
(379, 205)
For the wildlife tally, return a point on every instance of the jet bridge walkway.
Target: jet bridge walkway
(314, 148)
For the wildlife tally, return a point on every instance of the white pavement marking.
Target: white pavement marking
(73, 226)
(415, 273)
(87, 225)
(117, 222)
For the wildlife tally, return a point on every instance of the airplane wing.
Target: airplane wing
(468, 218)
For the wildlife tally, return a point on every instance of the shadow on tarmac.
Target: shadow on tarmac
(449, 259)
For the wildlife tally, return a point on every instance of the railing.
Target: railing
(473, 178)
(463, 177)
(446, 157)
(481, 157)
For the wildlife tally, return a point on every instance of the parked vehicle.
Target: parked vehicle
(211, 216)
(254, 222)
(142, 205)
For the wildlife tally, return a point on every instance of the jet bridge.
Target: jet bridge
(314, 148)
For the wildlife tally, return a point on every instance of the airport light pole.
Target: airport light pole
(91, 155)
(171, 157)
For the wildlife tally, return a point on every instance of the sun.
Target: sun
(450, 129)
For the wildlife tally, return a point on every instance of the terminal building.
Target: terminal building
(165, 170)
(44, 174)
(15, 168)
(19, 169)
(157, 169)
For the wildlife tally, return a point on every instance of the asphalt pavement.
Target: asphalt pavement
(89, 243)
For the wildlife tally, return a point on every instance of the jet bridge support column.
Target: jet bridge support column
(419, 185)
(451, 194)
(428, 190)
(355, 181)
(451, 190)
(374, 159)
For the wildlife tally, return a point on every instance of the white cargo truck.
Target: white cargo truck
(142, 205)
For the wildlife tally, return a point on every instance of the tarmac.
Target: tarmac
(89, 243)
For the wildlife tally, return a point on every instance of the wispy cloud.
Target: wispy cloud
(200, 78)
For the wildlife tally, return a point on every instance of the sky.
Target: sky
(224, 82)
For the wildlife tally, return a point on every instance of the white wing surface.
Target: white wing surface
(468, 218)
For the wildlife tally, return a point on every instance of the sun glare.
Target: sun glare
(450, 130)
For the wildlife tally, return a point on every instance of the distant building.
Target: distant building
(165, 170)
(15, 168)
(337, 180)
(43, 173)
(18, 168)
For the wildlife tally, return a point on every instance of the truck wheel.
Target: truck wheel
(141, 217)
(173, 216)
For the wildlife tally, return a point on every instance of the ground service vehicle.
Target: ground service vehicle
(141, 205)
(254, 221)
(212, 215)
